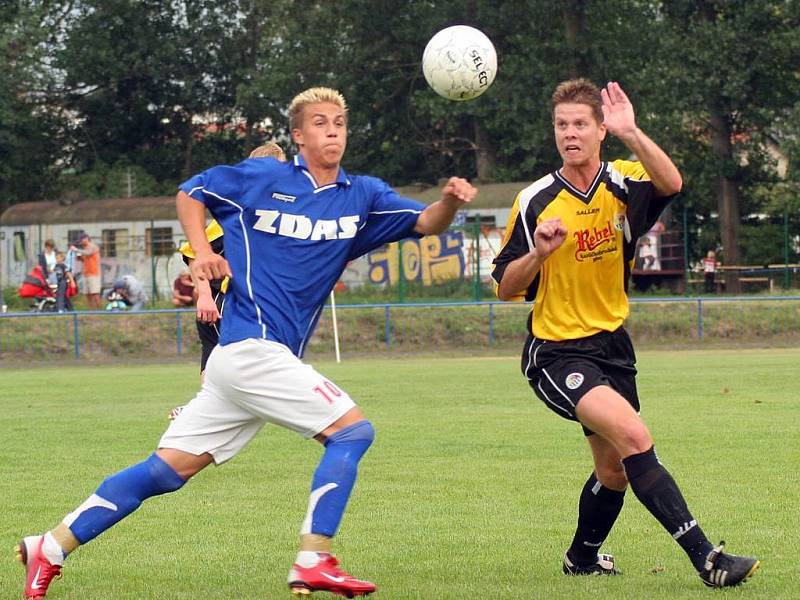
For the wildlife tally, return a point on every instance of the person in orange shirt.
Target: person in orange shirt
(88, 253)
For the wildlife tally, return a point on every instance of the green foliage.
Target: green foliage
(30, 141)
(172, 87)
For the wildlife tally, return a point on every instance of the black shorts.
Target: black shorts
(209, 337)
(562, 372)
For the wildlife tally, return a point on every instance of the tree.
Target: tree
(30, 126)
(728, 70)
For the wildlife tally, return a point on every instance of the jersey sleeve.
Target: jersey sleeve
(516, 243)
(391, 217)
(644, 205)
(216, 187)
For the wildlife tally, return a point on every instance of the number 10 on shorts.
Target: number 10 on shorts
(328, 391)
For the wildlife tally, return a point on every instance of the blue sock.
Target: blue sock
(335, 476)
(121, 494)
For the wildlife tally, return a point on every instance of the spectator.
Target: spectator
(654, 235)
(65, 283)
(132, 291)
(710, 266)
(183, 290)
(89, 254)
(47, 258)
(648, 256)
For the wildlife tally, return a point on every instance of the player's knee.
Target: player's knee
(165, 478)
(612, 476)
(362, 432)
(630, 436)
(366, 432)
(634, 439)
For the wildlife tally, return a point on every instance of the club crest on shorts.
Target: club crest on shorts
(574, 380)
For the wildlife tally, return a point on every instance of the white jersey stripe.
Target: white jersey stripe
(546, 397)
(558, 389)
(247, 260)
(530, 359)
(394, 212)
(525, 197)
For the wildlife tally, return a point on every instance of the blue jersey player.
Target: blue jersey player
(290, 229)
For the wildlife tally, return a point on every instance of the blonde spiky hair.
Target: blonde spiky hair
(269, 150)
(315, 95)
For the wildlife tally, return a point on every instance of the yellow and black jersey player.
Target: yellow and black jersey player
(580, 289)
(569, 244)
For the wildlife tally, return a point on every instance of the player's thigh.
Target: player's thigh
(559, 375)
(210, 423)
(266, 379)
(606, 412)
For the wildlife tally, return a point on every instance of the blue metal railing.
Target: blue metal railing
(88, 330)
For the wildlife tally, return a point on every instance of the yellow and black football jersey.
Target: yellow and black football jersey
(214, 236)
(581, 288)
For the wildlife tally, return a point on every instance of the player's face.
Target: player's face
(578, 134)
(322, 135)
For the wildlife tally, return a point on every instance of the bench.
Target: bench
(720, 281)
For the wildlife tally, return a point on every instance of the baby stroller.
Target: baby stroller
(115, 301)
(35, 286)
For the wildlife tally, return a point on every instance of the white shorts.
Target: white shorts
(248, 384)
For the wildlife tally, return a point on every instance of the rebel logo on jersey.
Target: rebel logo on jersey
(303, 228)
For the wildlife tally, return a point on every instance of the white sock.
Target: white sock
(52, 551)
(307, 558)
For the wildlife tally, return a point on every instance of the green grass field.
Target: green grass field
(470, 490)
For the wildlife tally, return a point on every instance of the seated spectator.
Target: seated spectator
(183, 290)
(131, 291)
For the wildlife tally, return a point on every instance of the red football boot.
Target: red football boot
(326, 576)
(40, 571)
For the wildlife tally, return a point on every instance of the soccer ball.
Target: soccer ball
(459, 63)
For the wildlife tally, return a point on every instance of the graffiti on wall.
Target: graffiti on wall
(430, 259)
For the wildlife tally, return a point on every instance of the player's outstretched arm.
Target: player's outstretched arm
(619, 119)
(438, 216)
(519, 274)
(207, 265)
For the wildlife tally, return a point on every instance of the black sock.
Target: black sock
(598, 509)
(655, 488)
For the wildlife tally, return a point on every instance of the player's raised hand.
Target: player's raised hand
(549, 236)
(208, 266)
(458, 191)
(618, 115)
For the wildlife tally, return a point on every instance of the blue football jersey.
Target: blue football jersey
(287, 240)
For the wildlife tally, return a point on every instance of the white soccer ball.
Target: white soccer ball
(459, 63)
